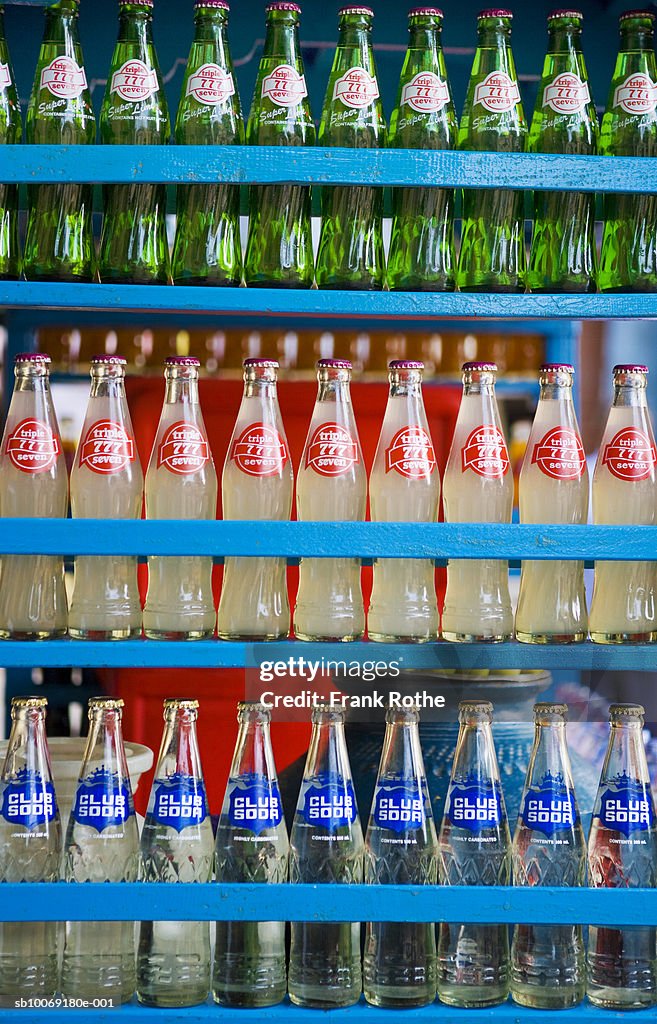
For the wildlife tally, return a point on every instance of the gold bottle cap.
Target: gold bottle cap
(29, 702)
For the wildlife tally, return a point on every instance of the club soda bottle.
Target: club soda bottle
(399, 962)
(404, 487)
(177, 845)
(252, 846)
(106, 481)
(326, 846)
(478, 487)
(628, 257)
(350, 251)
(554, 488)
(548, 970)
(59, 242)
(102, 845)
(492, 256)
(622, 963)
(474, 849)
(421, 256)
(207, 248)
(30, 851)
(11, 129)
(279, 249)
(331, 485)
(625, 492)
(33, 482)
(257, 483)
(181, 483)
(133, 244)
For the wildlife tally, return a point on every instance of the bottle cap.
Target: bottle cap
(484, 367)
(637, 14)
(261, 362)
(109, 360)
(32, 357)
(279, 5)
(630, 368)
(218, 5)
(182, 705)
(627, 710)
(565, 13)
(495, 12)
(367, 11)
(405, 364)
(29, 702)
(336, 364)
(430, 12)
(182, 361)
(546, 367)
(106, 703)
(479, 707)
(547, 708)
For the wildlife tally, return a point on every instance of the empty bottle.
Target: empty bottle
(331, 485)
(279, 250)
(257, 483)
(350, 251)
(30, 851)
(474, 849)
(11, 129)
(404, 487)
(252, 846)
(102, 845)
(207, 247)
(33, 482)
(622, 962)
(399, 962)
(177, 845)
(548, 970)
(106, 482)
(421, 256)
(326, 846)
(181, 483)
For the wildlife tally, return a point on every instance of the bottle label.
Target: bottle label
(566, 94)
(179, 802)
(102, 800)
(550, 808)
(260, 451)
(411, 453)
(399, 808)
(630, 455)
(329, 802)
(183, 449)
(356, 89)
(107, 448)
(332, 451)
(27, 800)
(560, 454)
(627, 807)
(256, 806)
(63, 78)
(210, 85)
(475, 806)
(134, 81)
(497, 93)
(284, 86)
(636, 95)
(485, 452)
(32, 447)
(426, 93)
(5, 76)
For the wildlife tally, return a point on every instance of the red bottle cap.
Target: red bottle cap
(431, 12)
(32, 357)
(405, 364)
(557, 366)
(261, 362)
(217, 5)
(637, 14)
(109, 360)
(495, 12)
(630, 368)
(182, 361)
(336, 364)
(367, 11)
(565, 13)
(491, 367)
(280, 6)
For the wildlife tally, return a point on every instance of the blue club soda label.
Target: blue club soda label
(475, 805)
(329, 802)
(256, 805)
(399, 808)
(626, 806)
(102, 800)
(179, 802)
(551, 807)
(28, 800)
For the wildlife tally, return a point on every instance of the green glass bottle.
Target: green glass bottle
(207, 249)
(421, 256)
(133, 244)
(10, 131)
(59, 244)
(279, 249)
(492, 256)
(628, 259)
(351, 242)
(563, 253)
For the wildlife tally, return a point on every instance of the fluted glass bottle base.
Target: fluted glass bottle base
(545, 999)
(397, 638)
(550, 638)
(624, 638)
(37, 634)
(400, 999)
(104, 634)
(173, 634)
(472, 998)
(324, 638)
(476, 638)
(252, 638)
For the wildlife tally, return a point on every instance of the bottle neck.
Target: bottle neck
(210, 28)
(135, 29)
(334, 391)
(550, 753)
(281, 41)
(27, 747)
(108, 387)
(553, 392)
(426, 40)
(253, 754)
(259, 387)
(61, 25)
(179, 748)
(626, 755)
(565, 39)
(479, 388)
(327, 751)
(475, 753)
(493, 37)
(354, 38)
(181, 390)
(105, 743)
(637, 37)
(402, 754)
(411, 389)
(629, 396)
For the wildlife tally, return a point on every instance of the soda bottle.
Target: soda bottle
(548, 969)
(279, 250)
(106, 481)
(59, 242)
(622, 967)
(478, 487)
(11, 129)
(207, 247)
(331, 484)
(257, 483)
(404, 487)
(492, 256)
(33, 482)
(326, 845)
(133, 244)
(102, 845)
(625, 491)
(30, 851)
(628, 257)
(181, 483)
(399, 962)
(177, 845)
(350, 251)
(251, 846)
(421, 256)
(554, 488)
(474, 849)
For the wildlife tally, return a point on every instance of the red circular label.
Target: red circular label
(183, 449)
(630, 455)
(32, 446)
(411, 453)
(260, 451)
(332, 450)
(560, 454)
(107, 448)
(485, 452)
